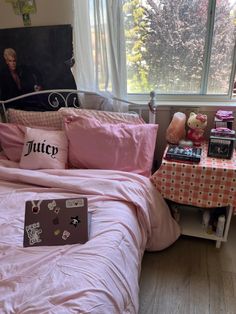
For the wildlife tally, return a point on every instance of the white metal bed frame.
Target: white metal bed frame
(63, 97)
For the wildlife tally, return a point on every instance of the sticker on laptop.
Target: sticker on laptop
(36, 206)
(57, 232)
(33, 232)
(65, 235)
(77, 202)
(52, 205)
(75, 221)
(57, 210)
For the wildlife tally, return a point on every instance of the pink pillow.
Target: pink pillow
(12, 140)
(44, 149)
(103, 116)
(97, 145)
(33, 119)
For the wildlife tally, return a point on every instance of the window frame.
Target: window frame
(202, 97)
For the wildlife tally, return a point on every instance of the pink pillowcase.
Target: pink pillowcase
(52, 119)
(97, 145)
(44, 149)
(12, 140)
(103, 116)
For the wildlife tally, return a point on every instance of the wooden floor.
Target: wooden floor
(191, 276)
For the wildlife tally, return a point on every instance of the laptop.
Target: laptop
(56, 222)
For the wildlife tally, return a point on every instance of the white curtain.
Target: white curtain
(82, 45)
(99, 47)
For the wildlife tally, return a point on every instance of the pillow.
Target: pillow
(35, 118)
(44, 149)
(12, 140)
(103, 116)
(96, 101)
(97, 145)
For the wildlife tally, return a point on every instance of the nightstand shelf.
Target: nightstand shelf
(191, 224)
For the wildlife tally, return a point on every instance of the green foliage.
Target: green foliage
(166, 41)
(135, 45)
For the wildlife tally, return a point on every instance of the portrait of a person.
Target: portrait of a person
(17, 79)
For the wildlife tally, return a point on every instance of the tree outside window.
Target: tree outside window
(180, 46)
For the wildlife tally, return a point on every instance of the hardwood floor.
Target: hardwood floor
(190, 277)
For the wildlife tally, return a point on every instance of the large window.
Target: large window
(182, 47)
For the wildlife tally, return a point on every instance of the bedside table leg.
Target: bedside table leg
(218, 244)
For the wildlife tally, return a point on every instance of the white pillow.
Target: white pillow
(44, 149)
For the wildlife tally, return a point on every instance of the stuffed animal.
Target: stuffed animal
(197, 124)
(176, 129)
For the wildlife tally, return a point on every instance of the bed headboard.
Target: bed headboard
(52, 100)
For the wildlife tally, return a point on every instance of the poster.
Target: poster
(34, 59)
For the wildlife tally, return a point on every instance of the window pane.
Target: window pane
(165, 42)
(222, 47)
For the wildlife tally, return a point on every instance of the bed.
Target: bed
(127, 214)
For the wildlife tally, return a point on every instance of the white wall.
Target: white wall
(49, 12)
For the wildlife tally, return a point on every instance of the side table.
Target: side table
(208, 184)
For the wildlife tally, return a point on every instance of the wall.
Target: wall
(49, 12)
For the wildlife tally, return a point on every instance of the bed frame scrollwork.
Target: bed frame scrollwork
(54, 99)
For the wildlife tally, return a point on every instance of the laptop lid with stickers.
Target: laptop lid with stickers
(56, 222)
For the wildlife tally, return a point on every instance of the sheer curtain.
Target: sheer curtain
(99, 46)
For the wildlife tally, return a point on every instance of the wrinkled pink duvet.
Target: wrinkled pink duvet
(101, 276)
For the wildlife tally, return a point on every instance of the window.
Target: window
(180, 47)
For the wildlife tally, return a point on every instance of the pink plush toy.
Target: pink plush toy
(176, 129)
(197, 124)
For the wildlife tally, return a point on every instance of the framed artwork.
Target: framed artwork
(220, 147)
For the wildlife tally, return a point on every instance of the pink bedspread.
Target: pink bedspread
(101, 276)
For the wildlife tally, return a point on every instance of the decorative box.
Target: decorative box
(223, 132)
(223, 123)
(221, 147)
(224, 119)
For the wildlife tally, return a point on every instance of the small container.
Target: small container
(220, 226)
(225, 124)
(222, 132)
(176, 214)
(175, 211)
(205, 219)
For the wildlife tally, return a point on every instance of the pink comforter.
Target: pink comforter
(101, 276)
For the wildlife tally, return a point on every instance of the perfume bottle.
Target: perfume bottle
(220, 226)
(205, 219)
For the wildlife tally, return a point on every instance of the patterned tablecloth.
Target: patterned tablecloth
(210, 183)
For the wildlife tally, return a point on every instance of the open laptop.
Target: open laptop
(56, 222)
